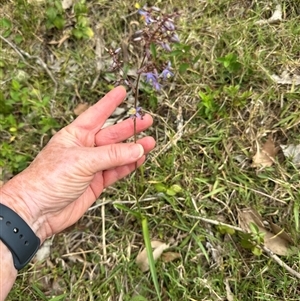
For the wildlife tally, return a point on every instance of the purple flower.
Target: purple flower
(165, 46)
(136, 113)
(174, 38)
(169, 24)
(166, 73)
(146, 15)
(152, 79)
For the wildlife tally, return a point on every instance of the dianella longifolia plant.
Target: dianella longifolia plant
(154, 67)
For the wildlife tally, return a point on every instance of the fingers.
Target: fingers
(113, 175)
(95, 116)
(94, 160)
(122, 131)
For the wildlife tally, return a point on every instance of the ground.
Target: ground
(215, 114)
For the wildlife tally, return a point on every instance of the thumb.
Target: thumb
(112, 155)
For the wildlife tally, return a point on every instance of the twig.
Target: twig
(263, 247)
(23, 53)
(216, 223)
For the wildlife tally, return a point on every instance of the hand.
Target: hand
(73, 169)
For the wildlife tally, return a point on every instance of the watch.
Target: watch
(18, 237)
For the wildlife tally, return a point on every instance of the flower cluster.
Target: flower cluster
(152, 77)
(159, 30)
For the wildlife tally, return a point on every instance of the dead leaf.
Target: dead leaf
(80, 108)
(292, 151)
(286, 79)
(280, 232)
(275, 18)
(170, 256)
(142, 258)
(66, 4)
(44, 251)
(229, 294)
(265, 156)
(277, 243)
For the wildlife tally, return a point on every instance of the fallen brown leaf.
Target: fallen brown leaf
(277, 242)
(265, 156)
(170, 256)
(142, 258)
(80, 108)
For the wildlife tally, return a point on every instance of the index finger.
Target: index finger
(95, 116)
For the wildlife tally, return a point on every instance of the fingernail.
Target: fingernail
(137, 151)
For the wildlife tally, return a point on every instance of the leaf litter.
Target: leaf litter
(275, 18)
(142, 258)
(292, 151)
(286, 78)
(275, 239)
(265, 155)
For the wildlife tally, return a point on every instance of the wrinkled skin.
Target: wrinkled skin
(73, 169)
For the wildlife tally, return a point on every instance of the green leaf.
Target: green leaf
(150, 256)
(247, 244)
(256, 251)
(77, 33)
(51, 13)
(153, 50)
(15, 95)
(160, 187)
(59, 22)
(176, 188)
(225, 230)
(137, 298)
(7, 33)
(15, 85)
(88, 32)
(80, 8)
(126, 209)
(5, 23)
(18, 39)
(254, 228)
(183, 67)
(170, 192)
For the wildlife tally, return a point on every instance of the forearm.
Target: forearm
(8, 273)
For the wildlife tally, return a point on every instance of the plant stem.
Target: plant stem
(134, 126)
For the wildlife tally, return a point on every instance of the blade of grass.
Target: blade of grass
(150, 256)
(296, 215)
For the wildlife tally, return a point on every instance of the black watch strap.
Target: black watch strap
(18, 237)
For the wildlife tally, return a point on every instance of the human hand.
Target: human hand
(73, 169)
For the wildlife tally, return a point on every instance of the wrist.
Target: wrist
(8, 274)
(18, 200)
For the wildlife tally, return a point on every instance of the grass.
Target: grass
(226, 100)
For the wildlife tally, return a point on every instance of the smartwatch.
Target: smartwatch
(18, 237)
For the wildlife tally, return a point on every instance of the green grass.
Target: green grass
(225, 110)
